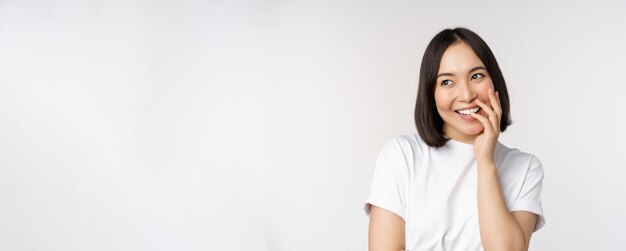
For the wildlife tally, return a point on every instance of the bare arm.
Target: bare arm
(386, 230)
(499, 228)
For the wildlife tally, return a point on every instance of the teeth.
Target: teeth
(468, 111)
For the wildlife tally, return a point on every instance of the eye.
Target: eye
(478, 76)
(446, 82)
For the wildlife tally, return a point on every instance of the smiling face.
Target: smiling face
(462, 78)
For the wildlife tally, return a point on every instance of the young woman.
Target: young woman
(452, 185)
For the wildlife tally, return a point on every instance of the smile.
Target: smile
(468, 111)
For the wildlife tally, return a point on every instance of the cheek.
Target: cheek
(442, 100)
(483, 92)
(488, 85)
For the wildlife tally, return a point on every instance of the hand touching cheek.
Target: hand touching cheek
(485, 143)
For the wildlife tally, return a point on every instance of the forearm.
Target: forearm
(498, 228)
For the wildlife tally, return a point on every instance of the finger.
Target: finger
(493, 117)
(484, 121)
(494, 98)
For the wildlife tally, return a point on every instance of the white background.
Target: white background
(255, 125)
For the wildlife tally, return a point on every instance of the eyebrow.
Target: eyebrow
(471, 70)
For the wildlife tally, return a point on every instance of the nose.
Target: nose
(466, 93)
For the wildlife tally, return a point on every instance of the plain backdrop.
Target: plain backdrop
(255, 125)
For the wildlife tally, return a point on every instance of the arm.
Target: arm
(386, 230)
(499, 229)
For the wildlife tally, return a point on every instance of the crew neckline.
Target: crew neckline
(458, 145)
(467, 148)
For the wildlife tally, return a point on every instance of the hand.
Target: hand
(485, 143)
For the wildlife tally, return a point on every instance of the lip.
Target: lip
(470, 107)
(468, 118)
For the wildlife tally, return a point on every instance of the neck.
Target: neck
(467, 139)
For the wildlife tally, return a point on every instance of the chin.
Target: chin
(474, 131)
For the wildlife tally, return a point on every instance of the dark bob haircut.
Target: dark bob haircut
(427, 120)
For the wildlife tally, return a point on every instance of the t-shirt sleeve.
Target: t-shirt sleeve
(529, 198)
(390, 181)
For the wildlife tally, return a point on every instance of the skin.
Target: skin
(463, 82)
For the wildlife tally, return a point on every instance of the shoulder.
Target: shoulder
(516, 158)
(406, 147)
(407, 142)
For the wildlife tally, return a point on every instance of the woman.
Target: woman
(452, 185)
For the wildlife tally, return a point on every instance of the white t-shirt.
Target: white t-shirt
(435, 190)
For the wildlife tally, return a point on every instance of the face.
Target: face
(462, 78)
